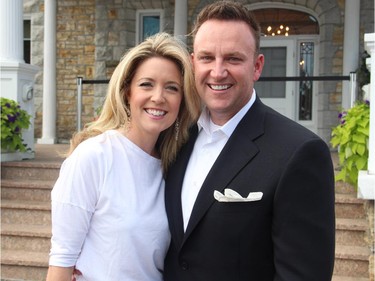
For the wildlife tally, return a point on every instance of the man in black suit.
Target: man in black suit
(251, 195)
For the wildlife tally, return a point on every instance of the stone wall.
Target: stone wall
(75, 57)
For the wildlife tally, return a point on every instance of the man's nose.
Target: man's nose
(219, 70)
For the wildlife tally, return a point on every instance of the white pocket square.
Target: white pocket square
(232, 196)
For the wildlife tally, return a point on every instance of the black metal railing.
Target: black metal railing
(306, 78)
(351, 78)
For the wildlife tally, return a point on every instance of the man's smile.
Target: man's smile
(220, 87)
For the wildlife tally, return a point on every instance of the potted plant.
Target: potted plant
(351, 137)
(13, 120)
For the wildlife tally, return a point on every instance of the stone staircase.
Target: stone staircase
(26, 233)
(25, 216)
(354, 237)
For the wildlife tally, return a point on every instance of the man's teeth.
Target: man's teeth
(219, 87)
(155, 112)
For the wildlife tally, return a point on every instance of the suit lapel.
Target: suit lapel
(237, 153)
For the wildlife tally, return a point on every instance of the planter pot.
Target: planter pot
(366, 92)
(7, 156)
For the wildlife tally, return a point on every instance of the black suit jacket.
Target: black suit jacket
(288, 235)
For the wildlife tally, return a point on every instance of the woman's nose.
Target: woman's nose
(158, 95)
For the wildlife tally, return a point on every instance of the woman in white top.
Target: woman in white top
(108, 215)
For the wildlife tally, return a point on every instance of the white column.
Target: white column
(11, 30)
(366, 179)
(370, 48)
(17, 77)
(180, 19)
(351, 46)
(49, 74)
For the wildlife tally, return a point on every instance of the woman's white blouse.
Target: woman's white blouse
(108, 213)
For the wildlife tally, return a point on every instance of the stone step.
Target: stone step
(352, 261)
(349, 207)
(23, 189)
(344, 188)
(26, 212)
(346, 278)
(26, 224)
(30, 170)
(351, 232)
(24, 265)
(35, 238)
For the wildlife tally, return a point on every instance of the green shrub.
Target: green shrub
(351, 137)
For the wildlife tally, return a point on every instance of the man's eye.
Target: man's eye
(234, 59)
(205, 58)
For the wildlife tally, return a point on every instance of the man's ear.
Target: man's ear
(258, 67)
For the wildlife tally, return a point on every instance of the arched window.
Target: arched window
(284, 22)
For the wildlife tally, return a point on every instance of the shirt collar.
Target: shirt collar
(228, 128)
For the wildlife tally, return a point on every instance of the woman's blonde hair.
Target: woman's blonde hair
(115, 111)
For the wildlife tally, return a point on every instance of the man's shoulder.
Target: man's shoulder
(282, 127)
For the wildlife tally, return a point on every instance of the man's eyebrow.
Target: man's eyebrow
(203, 52)
(236, 54)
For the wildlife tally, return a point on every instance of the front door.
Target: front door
(279, 62)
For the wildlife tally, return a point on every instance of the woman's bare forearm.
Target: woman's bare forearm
(57, 273)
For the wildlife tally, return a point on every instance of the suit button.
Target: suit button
(184, 265)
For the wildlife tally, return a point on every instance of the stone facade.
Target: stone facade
(92, 36)
(75, 36)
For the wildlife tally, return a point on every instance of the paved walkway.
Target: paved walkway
(50, 152)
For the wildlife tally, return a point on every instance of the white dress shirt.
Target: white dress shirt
(210, 141)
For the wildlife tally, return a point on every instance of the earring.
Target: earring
(128, 114)
(126, 124)
(176, 129)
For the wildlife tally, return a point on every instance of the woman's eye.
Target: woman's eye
(173, 88)
(145, 84)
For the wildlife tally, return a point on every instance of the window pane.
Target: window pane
(275, 67)
(26, 51)
(306, 63)
(151, 26)
(26, 40)
(26, 29)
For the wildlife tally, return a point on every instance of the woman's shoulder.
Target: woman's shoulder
(96, 147)
(103, 140)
